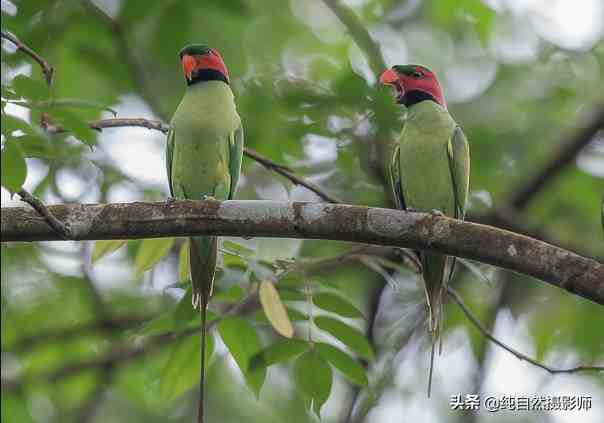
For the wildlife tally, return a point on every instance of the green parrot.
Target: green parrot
(203, 160)
(429, 172)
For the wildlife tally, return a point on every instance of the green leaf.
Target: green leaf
(294, 315)
(183, 262)
(336, 304)
(232, 294)
(233, 261)
(14, 168)
(36, 144)
(29, 88)
(291, 280)
(76, 125)
(275, 310)
(237, 248)
(71, 102)
(343, 362)
(313, 379)
(349, 336)
(159, 325)
(289, 295)
(184, 311)
(182, 371)
(12, 123)
(150, 252)
(278, 352)
(103, 248)
(242, 341)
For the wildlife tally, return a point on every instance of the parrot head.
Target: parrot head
(202, 63)
(413, 83)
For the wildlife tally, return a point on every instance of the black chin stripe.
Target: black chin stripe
(201, 75)
(416, 96)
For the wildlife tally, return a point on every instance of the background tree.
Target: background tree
(104, 331)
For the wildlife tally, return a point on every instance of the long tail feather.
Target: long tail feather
(431, 369)
(202, 380)
(203, 253)
(436, 271)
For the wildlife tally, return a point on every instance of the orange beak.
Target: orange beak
(188, 65)
(388, 77)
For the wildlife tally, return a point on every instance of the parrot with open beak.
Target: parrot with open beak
(429, 172)
(203, 160)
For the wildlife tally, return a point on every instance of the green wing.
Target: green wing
(169, 153)
(235, 158)
(395, 179)
(458, 152)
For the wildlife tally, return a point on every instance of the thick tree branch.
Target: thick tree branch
(47, 69)
(568, 147)
(457, 298)
(559, 267)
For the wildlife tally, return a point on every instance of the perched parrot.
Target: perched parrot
(429, 172)
(203, 160)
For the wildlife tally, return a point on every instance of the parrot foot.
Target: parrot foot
(208, 198)
(436, 212)
(412, 210)
(170, 200)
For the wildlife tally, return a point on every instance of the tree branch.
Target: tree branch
(47, 69)
(159, 126)
(285, 171)
(567, 270)
(457, 298)
(567, 149)
(359, 34)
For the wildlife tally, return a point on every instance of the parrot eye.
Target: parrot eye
(417, 74)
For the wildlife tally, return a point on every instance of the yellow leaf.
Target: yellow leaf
(275, 310)
(103, 248)
(150, 252)
(183, 262)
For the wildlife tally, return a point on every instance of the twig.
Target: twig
(125, 122)
(359, 34)
(569, 147)
(47, 69)
(457, 298)
(284, 171)
(159, 126)
(43, 211)
(266, 162)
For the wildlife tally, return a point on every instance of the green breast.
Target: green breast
(424, 164)
(202, 124)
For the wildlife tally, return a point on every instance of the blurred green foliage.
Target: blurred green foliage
(308, 101)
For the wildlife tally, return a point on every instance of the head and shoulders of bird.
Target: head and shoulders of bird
(204, 69)
(208, 92)
(417, 88)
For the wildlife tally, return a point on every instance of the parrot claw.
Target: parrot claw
(436, 212)
(208, 198)
(170, 200)
(412, 210)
